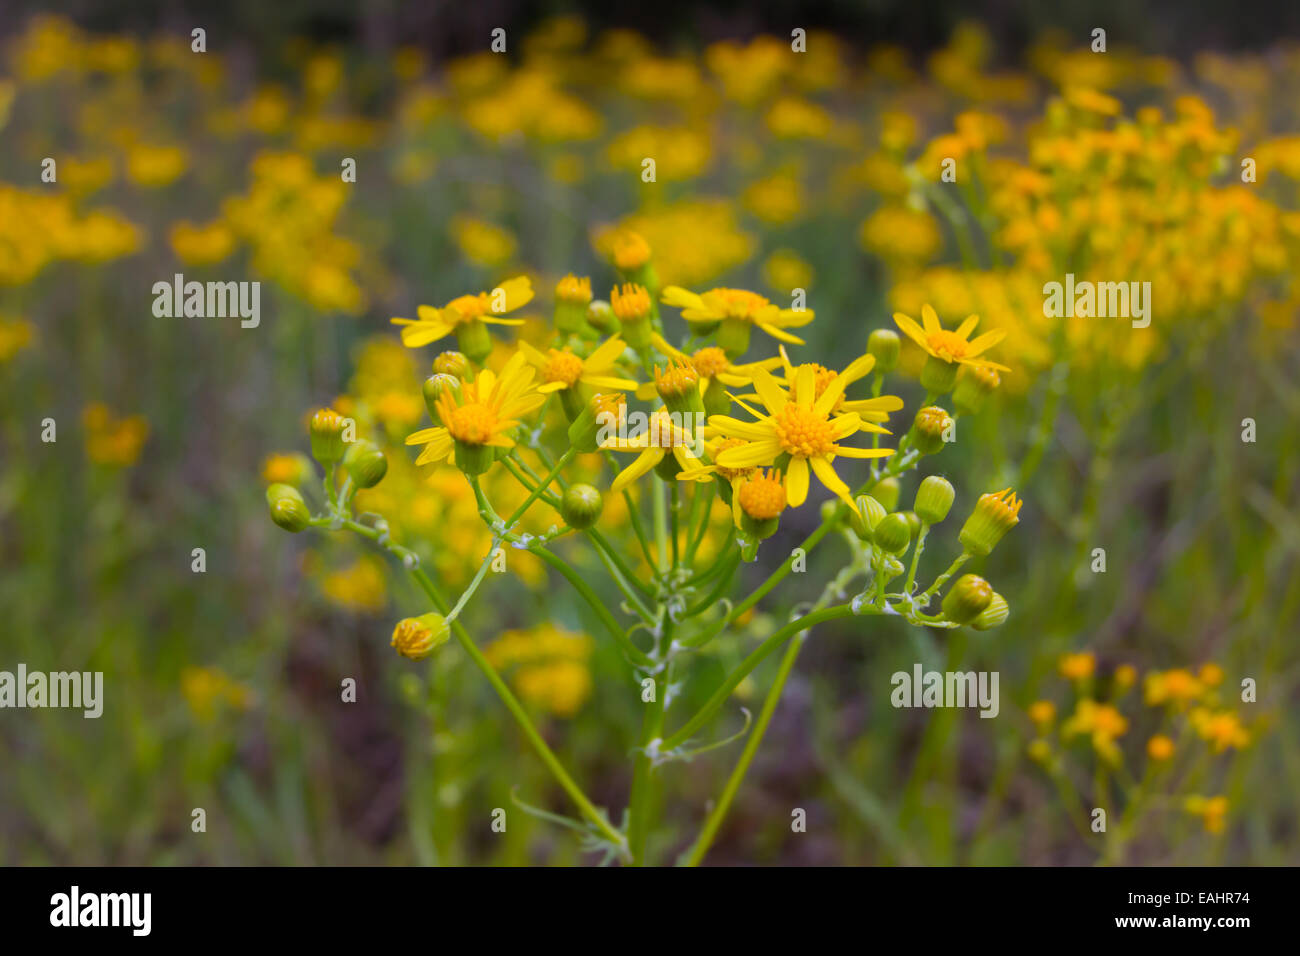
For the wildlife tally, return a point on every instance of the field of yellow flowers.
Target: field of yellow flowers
(773, 450)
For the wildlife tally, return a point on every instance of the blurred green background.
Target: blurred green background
(222, 687)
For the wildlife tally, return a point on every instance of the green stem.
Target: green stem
(756, 657)
(710, 829)
(521, 717)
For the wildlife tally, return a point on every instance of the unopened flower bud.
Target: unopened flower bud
(417, 637)
(434, 386)
(884, 345)
(866, 516)
(679, 387)
(602, 417)
(976, 383)
(994, 515)
(929, 428)
(631, 305)
(572, 296)
(913, 522)
(967, 598)
(994, 615)
(581, 506)
(934, 499)
(893, 534)
(288, 509)
(451, 363)
(887, 491)
(365, 463)
(600, 316)
(326, 431)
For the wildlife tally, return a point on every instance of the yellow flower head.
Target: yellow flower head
(481, 414)
(662, 437)
(801, 425)
(874, 410)
(1077, 666)
(947, 345)
(1178, 687)
(1042, 712)
(631, 252)
(630, 303)
(737, 306)
(434, 324)
(710, 363)
(1102, 722)
(1213, 811)
(1160, 748)
(573, 291)
(563, 369)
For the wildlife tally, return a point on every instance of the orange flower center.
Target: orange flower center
(762, 497)
(948, 345)
(739, 303)
(473, 424)
(563, 367)
(465, 308)
(802, 432)
(710, 361)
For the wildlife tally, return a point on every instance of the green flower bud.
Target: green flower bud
(887, 491)
(893, 534)
(884, 345)
(913, 522)
(599, 419)
(365, 463)
(326, 432)
(928, 429)
(938, 376)
(934, 499)
(600, 316)
(417, 637)
(994, 515)
(679, 387)
(975, 384)
(581, 506)
(451, 363)
(288, 510)
(434, 386)
(967, 598)
(866, 516)
(994, 615)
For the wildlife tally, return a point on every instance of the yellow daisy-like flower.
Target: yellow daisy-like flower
(947, 345)
(738, 310)
(802, 425)
(874, 410)
(486, 307)
(661, 438)
(712, 363)
(479, 416)
(563, 369)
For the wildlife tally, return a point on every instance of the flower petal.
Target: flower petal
(796, 482)
(826, 473)
(912, 330)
